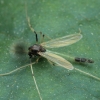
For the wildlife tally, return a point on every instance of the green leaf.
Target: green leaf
(54, 19)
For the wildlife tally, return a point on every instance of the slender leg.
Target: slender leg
(32, 75)
(17, 69)
(28, 19)
(87, 74)
(51, 63)
(36, 36)
(35, 81)
(30, 26)
(38, 59)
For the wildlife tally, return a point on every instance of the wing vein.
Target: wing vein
(62, 41)
(57, 59)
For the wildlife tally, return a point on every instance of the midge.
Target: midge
(53, 57)
(41, 50)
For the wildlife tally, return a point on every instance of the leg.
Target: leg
(16, 69)
(30, 26)
(35, 81)
(51, 63)
(38, 59)
(28, 19)
(88, 74)
(36, 36)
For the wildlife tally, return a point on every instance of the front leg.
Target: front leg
(30, 54)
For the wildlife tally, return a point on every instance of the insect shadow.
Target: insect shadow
(40, 49)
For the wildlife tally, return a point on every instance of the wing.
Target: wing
(62, 41)
(57, 59)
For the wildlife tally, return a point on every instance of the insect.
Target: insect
(41, 50)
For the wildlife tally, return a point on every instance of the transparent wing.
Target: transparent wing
(57, 59)
(62, 41)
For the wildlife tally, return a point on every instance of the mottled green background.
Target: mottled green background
(54, 18)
